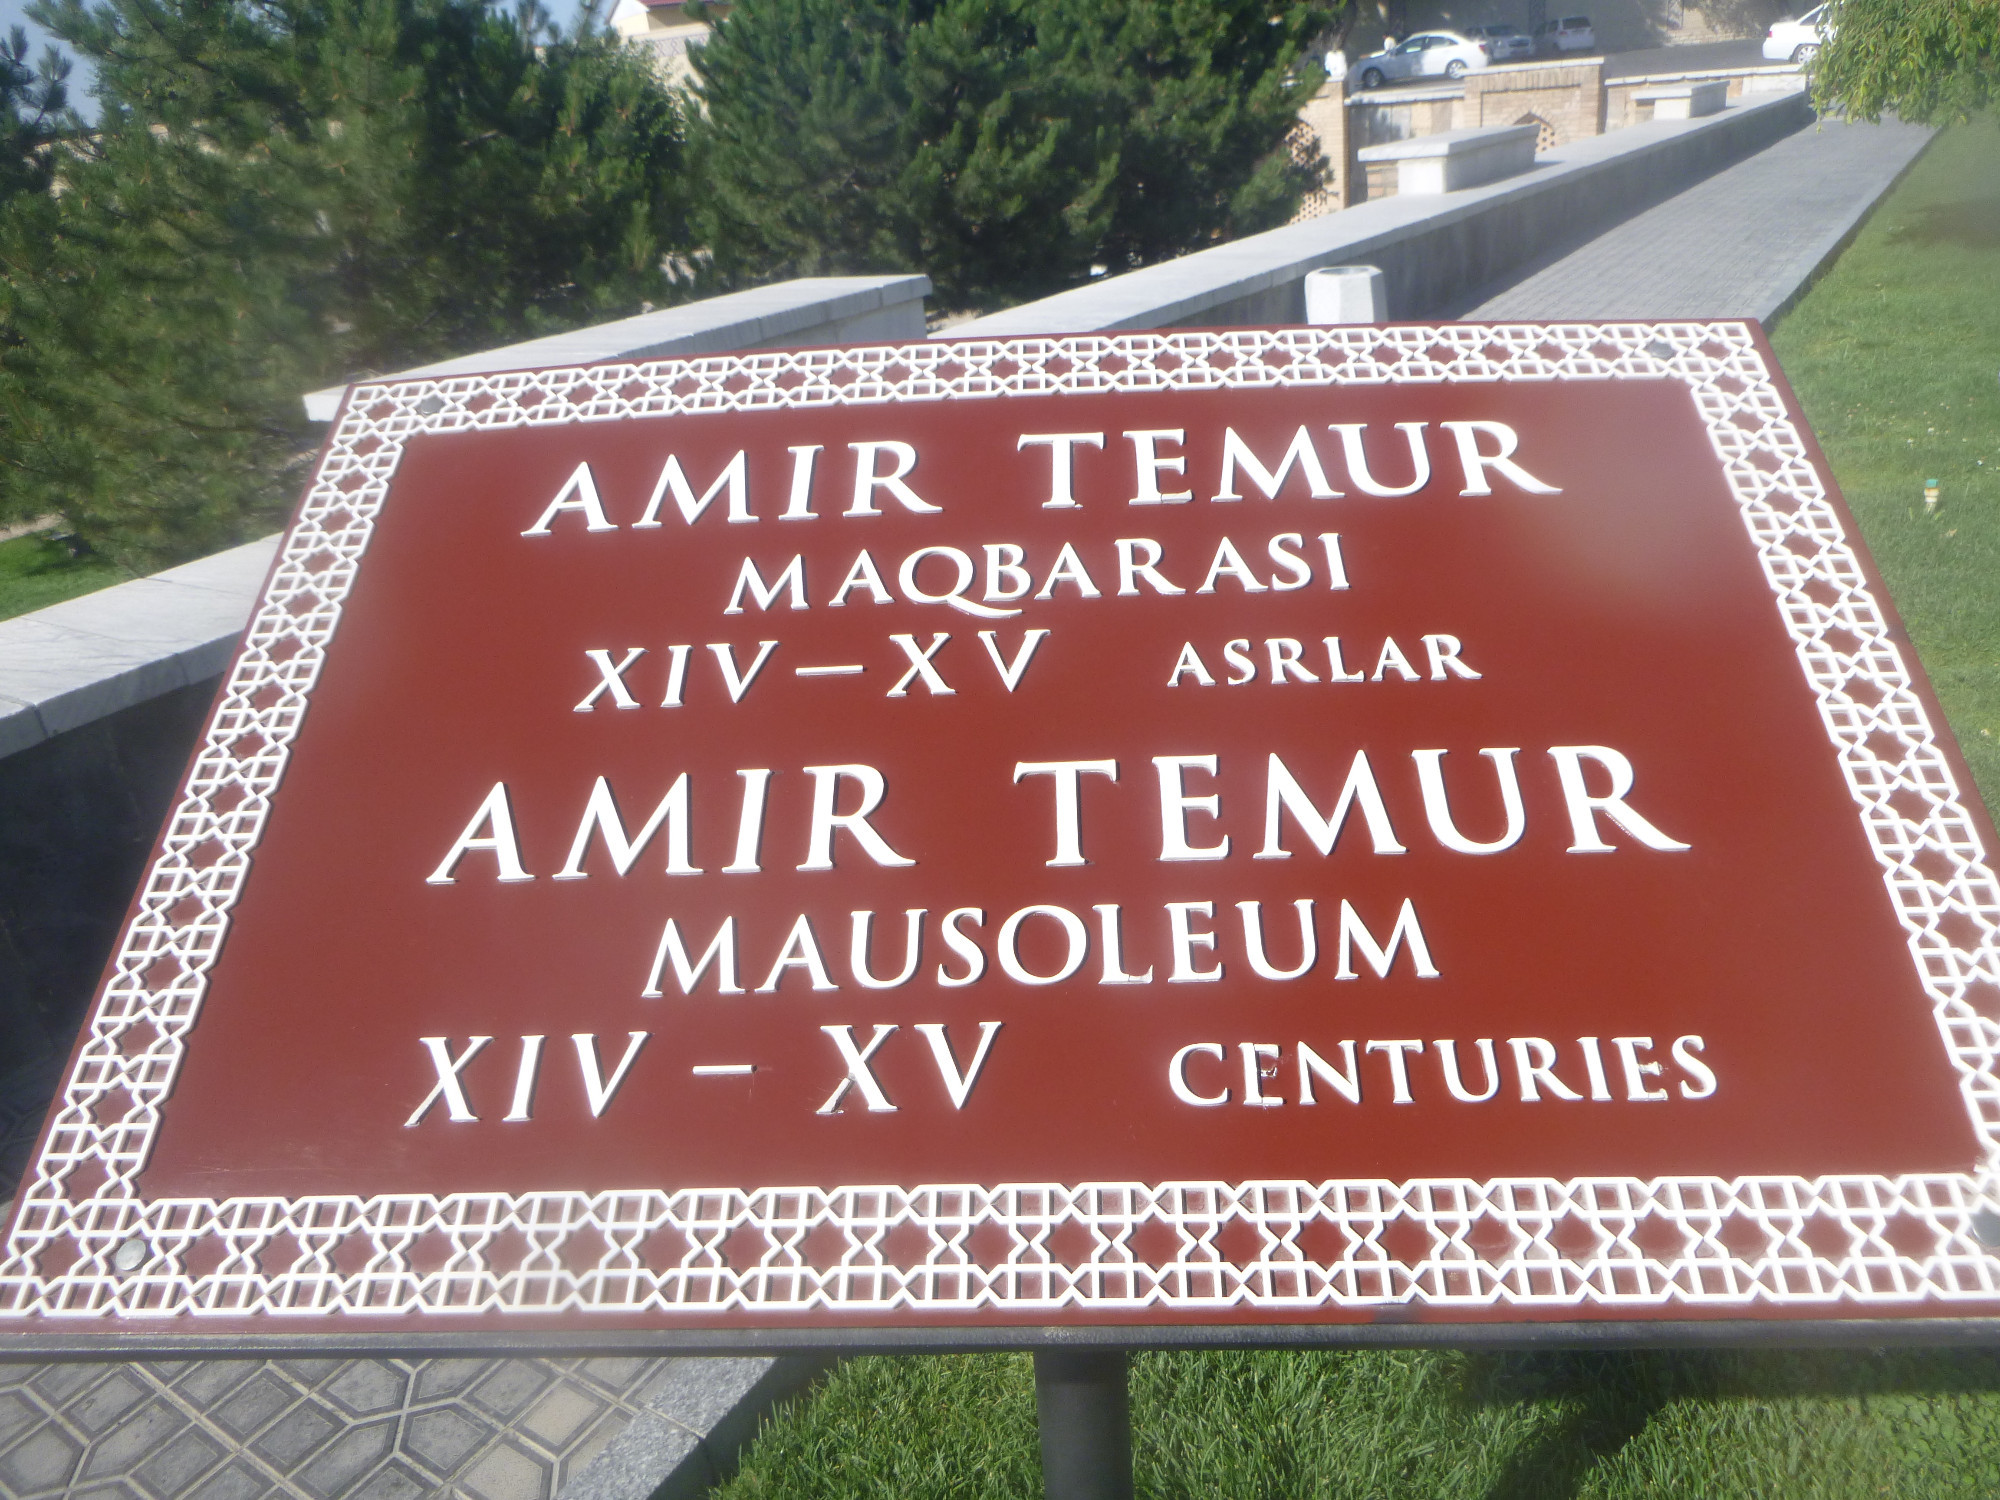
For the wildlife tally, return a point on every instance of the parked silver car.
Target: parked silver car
(1568, 34)
(1502, 41)
(1797, 41)
(1430, 54)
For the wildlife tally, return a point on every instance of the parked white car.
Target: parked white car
(1795, 41)
(1566, 34)
(1432, 54)
(1503, 41)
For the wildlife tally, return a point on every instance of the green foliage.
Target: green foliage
(286, 193)
(34, 115)
(1003, 147)
(1932, 61)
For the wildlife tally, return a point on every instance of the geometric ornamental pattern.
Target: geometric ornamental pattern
(88, 1246)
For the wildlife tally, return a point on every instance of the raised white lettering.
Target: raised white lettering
(867, 481)
(1176, 804)
(1063, 775)
(494, 814)
(825, 821)
(1584, 806)
(1062, 448)
(721, 951)
(579, 494)
(734, 477)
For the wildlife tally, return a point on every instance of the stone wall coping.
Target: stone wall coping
(1541, 64)
(1701, 75)
(1178, 292)
(64, 666)
(1467, 142)
(1701, 86)
(1430, 95)
(740, 320)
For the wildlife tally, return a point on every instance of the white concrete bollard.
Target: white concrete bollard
(1346, 294)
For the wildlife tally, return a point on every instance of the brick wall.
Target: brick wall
(1321, 135)
(1565, 98)
(1622, 109)
(1398, 116)
(1568, 100)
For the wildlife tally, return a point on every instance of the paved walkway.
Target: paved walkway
(379, 1429)
(1740, 244)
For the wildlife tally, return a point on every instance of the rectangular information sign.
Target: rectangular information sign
(1286, 828)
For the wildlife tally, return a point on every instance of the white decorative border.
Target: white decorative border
(87, 1246)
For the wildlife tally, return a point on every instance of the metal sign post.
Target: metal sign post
(1298, 836)
(1084, 1414)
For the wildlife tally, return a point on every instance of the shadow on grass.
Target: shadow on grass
(1973, 223)
(1663, 1376)
(1610, 1398)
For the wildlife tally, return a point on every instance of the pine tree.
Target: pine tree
(284, 194)
(34, 115)
(1003, 147)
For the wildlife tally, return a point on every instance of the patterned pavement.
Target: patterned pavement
(1739, 244)
(390, 1429)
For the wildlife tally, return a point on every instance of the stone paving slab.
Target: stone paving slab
(1743, 243)
(381, 1429)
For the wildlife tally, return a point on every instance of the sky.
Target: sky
(15, 13)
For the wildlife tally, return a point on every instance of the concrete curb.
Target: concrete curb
(1817, 255)
(693, 1429)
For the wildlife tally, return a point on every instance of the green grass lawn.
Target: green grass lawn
(1896, 356)
(37, 571)
(1415, 1426)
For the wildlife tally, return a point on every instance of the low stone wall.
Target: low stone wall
(78, 814)
(786, 315)
(100, 702)
(1565, 99)
(1433, 165)
(1622, 107)
(1381, 117)
(1431, 250)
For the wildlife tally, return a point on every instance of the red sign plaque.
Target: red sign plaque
(1298, 828)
